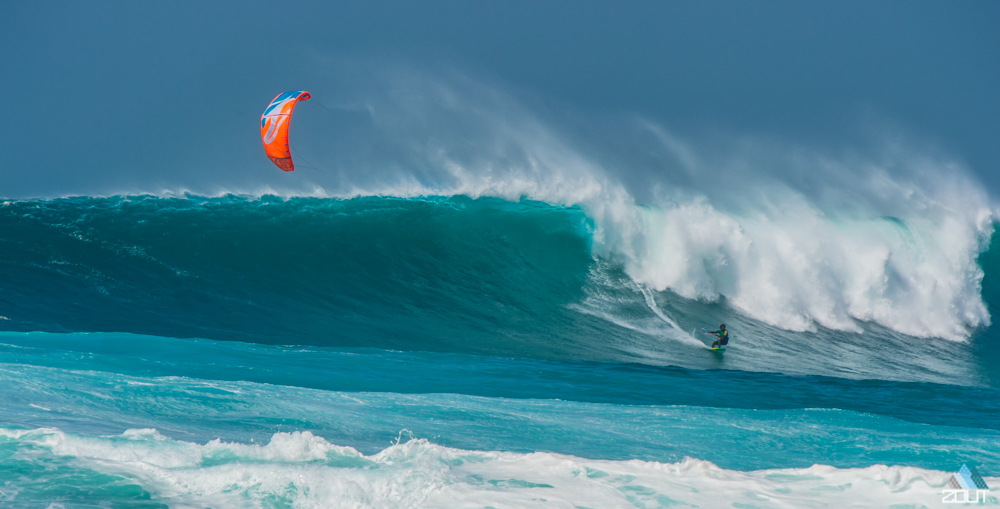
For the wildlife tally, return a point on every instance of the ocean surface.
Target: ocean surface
(473, 351)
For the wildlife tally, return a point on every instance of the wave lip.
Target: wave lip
(800, 268)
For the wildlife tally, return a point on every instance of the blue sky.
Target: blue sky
(132, 95)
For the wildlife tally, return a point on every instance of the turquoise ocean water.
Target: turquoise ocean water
(459, 352)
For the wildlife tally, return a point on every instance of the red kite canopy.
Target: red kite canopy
(274, 127)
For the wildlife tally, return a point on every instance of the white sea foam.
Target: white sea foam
(304, 471)
(800, 267)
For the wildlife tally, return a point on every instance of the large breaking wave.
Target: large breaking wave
(795, 236)
(487, 276)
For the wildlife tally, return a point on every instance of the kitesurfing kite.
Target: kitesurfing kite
(274, 127)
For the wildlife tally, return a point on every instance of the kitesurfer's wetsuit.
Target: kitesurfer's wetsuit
(723, 338)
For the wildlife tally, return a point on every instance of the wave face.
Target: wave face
(410, 274)
(434, 352)
(481, 276)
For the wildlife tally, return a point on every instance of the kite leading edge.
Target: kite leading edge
(274, 127)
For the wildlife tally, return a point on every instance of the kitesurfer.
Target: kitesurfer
(723, 335)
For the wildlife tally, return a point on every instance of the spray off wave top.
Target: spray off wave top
(795, 237)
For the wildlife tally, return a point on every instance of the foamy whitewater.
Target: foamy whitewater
(461, 307)
(302, 470)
